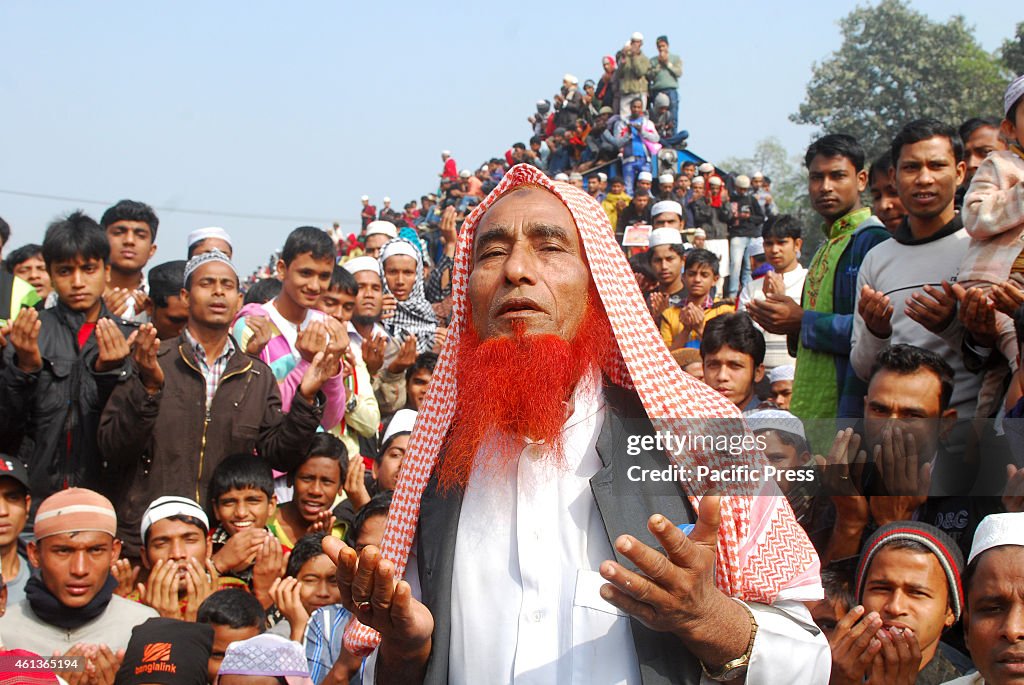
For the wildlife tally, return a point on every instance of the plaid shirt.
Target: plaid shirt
(211, 372)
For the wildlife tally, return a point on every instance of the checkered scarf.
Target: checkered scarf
(762, 550)
(414, 314)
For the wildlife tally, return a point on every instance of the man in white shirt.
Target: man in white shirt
(536, 559)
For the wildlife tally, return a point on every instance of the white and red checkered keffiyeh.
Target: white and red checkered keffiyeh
(762, 550)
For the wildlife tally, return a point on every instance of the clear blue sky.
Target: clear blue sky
(297, 109)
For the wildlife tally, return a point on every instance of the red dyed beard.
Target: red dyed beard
(517, 386)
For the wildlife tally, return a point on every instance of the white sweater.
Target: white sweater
(899, 269)
(776, 349)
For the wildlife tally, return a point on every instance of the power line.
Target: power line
(180, 210)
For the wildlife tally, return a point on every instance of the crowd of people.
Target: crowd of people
(196, 463)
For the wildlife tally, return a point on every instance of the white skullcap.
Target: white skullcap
(699, 233)
(697, 181)
(758, 174)
(364, 198)
(665, 207)
(601, 176)
(754, 247)
(561, 177)
(402, 422)
(1013, 93)
(387, 199)
(381, 228)
(364, 263)
(446, 153)
(786, 372)
(575, 176)
(571, 79)
(169, 505)
(706, 168)
(996, 530)
(742, 181)
(208, 232)
(666, 178)
(213, 255)
(665, 236)
(644, 176)
(636, 36)
(776, 420)
(465, 173)
(715, 181)
(395, 248)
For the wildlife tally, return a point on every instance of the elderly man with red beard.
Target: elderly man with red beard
(517, 548)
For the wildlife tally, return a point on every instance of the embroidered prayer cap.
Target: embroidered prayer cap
(213, 255)
(665, 236)
(401, 422)
(209, 232)
(171, 505)
(938, 543)
(381, 228)
(786, 372)
(996, 530)
(75, 510)
(269, 655)
(763, 553)
(776, 420)
(645, 176)
(166, 650)
(364, 263)
(1014, 92)
(667, 206)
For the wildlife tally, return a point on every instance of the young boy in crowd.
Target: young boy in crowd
(235, 615)
(60, 365)
(683, 326)
(417, 380)
(316, 482)
(358, 428)
(14, 506)
(242, 501)
(26, 262)
(885, 200)
(733, 354)
(780, 384)
(309, 583)
(288, 331)
(166, 309)
(131, 230)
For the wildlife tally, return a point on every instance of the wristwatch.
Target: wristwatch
(737, 668)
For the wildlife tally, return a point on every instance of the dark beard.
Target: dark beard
(367, 321)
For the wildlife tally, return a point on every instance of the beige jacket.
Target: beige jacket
(22, 629)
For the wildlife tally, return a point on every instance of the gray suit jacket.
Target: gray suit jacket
(624, 508)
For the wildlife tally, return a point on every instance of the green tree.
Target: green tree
(894, 65)
(1012, 51)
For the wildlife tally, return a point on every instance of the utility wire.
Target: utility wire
(180, 210)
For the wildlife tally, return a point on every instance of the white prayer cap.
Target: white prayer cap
(637, 36)
(996, 530)
(754, 248)
(697, 181)
(208, 232)
(776, 420)
(395, 248)
(667, 207)
(644, 176)
(706, 168)
(742, 181)
(575, 176)
(381, 228)
(786, 372)
(715, 181)
(571, 79)
(665, 236)
(601, 176)
(364, 198)
(758, 174)
(446, 153)
(387, 200)
(465, 173)
(561, 177)
(213, 255)
(666, 178)
(364, 263)
(1014, 92)
(165, 507)
(402, 422)
(699, 233)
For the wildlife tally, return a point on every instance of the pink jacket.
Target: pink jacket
(993, 215)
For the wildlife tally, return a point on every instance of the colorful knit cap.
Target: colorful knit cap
(938, 543)
(75, 510)
(763, 553)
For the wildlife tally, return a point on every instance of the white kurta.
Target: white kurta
(526, 607)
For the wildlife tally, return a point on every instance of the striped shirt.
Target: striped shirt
(324, 633)
(211, 372)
